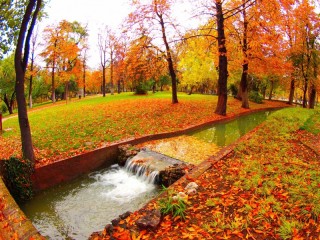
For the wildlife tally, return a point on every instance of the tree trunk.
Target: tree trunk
(21, 60)
(84, 78)
(103, 81)
(221, 108)
(244, 87)
(305, 89)
(191, 90)
(111, 73)
(53, 87)
(245, 66)
(292, 88)
(9, 102)
(31, 80)
(239, 96)
(264, 92)
(271, 89)
(312, 96)
(66, 91)
(119, 86)
(170, 61)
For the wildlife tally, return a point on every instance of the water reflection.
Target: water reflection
(224, 134)
(220, 135)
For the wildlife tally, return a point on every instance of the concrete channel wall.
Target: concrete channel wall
(13, 223)
(71, 168)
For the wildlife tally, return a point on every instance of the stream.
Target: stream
(76, 209)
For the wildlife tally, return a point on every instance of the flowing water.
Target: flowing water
(76, 209)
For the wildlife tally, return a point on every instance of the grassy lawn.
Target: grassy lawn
(267, 188)
(64, 130)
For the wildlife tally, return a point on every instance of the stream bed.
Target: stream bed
(76, 209)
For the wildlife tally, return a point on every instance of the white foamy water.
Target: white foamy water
(86, 205)
(122, 186)
(142, 171)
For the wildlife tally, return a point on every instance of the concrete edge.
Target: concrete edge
(13, 222)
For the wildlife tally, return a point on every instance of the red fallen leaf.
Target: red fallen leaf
(308, 208)
(238, 233)
(6, 225)
(258, 231)
(15, 236)
(191, 229)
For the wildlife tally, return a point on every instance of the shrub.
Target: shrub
(234, 90)
(256, 97)
(17, 176)
(4, 108)
(141, 88)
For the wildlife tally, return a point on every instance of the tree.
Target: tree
(103, 50)
(64, 44)
(220, 15)
(7, 82)
(153, 18)
(138, 62)
(112, 43)
(32, 70)
(289, 30)
(84, 57)
(245, 65)
(11, 13)
(94, 82)
(21, 60)
(41, 85)
(308, 24)
(53, 36)
(120, 70)
(221, 108)
(196, 63)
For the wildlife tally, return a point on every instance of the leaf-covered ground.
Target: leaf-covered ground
(65, 130)
(267, 187)
(185, 148)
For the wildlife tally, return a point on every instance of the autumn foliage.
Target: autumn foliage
(101, 122)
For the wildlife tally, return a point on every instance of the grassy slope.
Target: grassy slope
(65, 130)
(268, 188)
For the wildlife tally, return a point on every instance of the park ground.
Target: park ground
(267, 185)
(63, 130)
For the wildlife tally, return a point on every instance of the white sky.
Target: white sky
(97, 14)
(94, 13)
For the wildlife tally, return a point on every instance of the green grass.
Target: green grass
(96, 121)
(284, 177)
(62, 130)
(313, 123)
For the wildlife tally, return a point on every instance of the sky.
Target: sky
(97, 14)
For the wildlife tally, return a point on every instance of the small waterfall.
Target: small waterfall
(142, 169)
